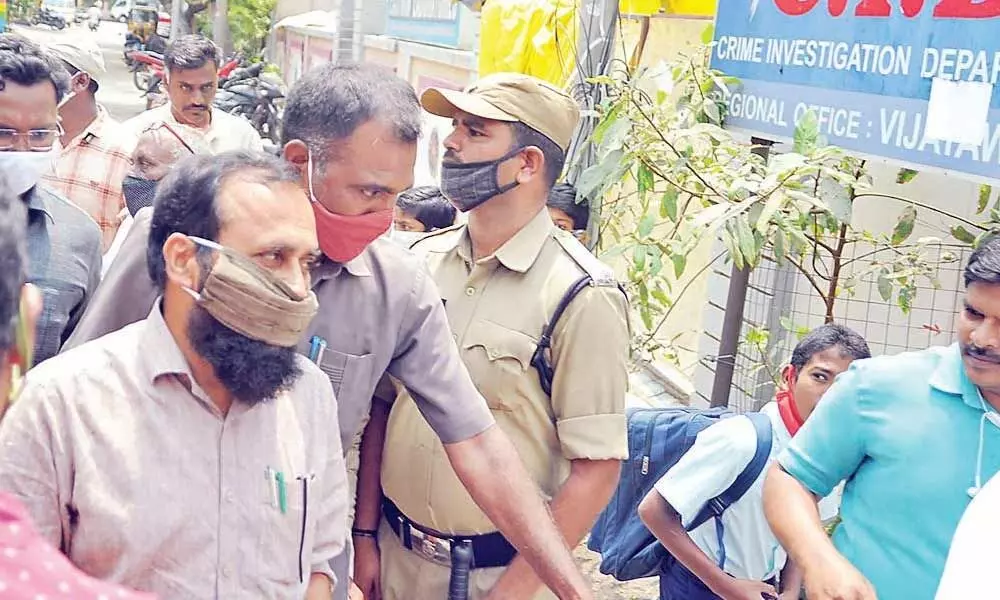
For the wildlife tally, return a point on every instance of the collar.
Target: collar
(96, 129)
(328, 269)
(949, 377)
(36, 200)
(520, 251)
(167, 359)
(172, 120)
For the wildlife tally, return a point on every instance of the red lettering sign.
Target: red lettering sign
(945, 9)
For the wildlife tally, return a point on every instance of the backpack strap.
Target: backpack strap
(718, 505)
(539, 359)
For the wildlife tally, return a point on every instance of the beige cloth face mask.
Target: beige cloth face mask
(252, 301)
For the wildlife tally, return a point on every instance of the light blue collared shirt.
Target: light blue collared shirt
(904, 431)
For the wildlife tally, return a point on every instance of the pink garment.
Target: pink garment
(30, 568)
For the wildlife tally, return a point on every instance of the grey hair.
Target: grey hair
(329, 102)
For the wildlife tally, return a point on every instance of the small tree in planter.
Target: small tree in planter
(668, 177)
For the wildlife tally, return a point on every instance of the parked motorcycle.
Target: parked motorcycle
(255, 97)
(46, 16)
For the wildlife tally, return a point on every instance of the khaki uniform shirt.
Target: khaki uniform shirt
(497, 308)
(128, 467)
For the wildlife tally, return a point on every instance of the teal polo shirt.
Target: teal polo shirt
(904, 432)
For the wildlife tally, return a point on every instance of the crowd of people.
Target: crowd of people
(298, 376)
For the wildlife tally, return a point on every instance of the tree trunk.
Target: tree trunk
(220, 29)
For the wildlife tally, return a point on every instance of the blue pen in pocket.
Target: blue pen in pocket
(317, 347)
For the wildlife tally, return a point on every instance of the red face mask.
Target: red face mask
(341, 237)
(786, 404)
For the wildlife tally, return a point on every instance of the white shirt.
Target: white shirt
(225, 132)
(116, 244)
(968, 573)
(708, 468)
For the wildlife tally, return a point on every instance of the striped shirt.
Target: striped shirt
(90, 171)
(64, 262)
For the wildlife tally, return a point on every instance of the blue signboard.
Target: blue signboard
(865, 68)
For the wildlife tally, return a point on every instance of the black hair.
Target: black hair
(429, 206)
(191, 52)
(25, 63)
(186, 198)
(72, 71)
(984, 264)
(329, 102)
(825, 337)
(555, 158)
(563, 196)
(13, 263)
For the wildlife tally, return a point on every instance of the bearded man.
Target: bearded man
(196, 454)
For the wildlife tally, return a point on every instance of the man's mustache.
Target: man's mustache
(197, 107)
(980, 353)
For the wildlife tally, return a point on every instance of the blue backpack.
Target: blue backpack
(657, 439)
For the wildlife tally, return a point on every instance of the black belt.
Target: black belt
(488, 550)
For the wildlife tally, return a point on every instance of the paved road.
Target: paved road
(117, 93)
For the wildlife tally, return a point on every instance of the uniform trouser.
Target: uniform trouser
(408, 576)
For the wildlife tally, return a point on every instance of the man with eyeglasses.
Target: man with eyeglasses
(64, 244)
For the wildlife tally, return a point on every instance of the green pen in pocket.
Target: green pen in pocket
(25, 350)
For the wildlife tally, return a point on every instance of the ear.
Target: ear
(180, 260)
(81, 82)
(790, 375)
(297, 153)
(533, 165)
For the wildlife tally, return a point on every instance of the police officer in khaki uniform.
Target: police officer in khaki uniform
(501, 277)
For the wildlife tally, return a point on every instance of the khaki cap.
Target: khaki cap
(83, 55)
(511, 97)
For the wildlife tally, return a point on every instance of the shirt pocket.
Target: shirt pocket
(499, 360)
(351, 376)
(286, 548)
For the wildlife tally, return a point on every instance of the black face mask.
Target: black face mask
(139, 193)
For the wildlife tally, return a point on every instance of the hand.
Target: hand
(367, 568)
(354, 593)
(837, 580)
(743, 589)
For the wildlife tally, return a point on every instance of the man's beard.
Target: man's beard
(252, 371)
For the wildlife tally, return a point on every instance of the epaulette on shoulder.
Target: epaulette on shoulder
(601, 273)
(437, 239)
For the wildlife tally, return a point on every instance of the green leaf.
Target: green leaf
(711, 110)
(600, 176)
(806, 137)
(770, 207)
(646, 225)
(780, 245)
(668, 204)
(985, 192)
(660, 296)
(905, 176)
(639, 257)
(748, 245)
(729, 240)
(786, 323)
(884, 287)
(904, 225)
(709, 215)
(680, 262)
(708, 34)
(962, 235)
(644, 176)
(655, 262)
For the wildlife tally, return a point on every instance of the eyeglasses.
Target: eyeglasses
(39, 140)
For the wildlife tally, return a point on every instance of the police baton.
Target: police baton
(461, 564)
